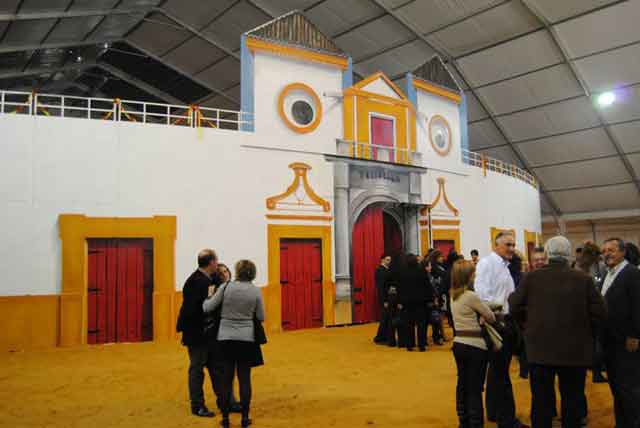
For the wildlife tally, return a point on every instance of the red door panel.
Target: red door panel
(301, 279)
(445, 246)
(381, 135)
(392, 236)
(120, 290)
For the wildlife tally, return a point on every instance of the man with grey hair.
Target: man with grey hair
(621, 291)
(559, 308)
(494, 284)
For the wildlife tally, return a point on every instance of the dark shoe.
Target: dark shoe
(203, 412)
(521, 425)
(410, 349)
(224, 423)
(422, 349)
(235, 408)
(246, 422)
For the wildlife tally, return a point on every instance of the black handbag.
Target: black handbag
(259, 335)
(212, 320)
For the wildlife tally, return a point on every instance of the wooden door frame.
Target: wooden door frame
(74, 230)
(272, 293)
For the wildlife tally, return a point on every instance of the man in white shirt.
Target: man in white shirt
(493, 284)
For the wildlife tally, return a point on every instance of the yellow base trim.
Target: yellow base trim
(443, 222)
(75, 229)
(298, 53)
(272, 293)
(299, 217)
(29, 322)
(436, 90)
(343, 312)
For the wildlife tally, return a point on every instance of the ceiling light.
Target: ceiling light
(106, 45)
(605, 99)
(78, 58)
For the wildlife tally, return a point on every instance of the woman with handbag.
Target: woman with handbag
(469, 347)
(239, 335)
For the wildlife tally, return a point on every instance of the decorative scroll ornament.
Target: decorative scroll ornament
(299, 196)
(442, 197)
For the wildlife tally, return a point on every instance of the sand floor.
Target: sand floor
(315, 378)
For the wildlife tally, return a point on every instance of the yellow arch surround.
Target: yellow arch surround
(75, 229)
(272, 293)
(447, 235)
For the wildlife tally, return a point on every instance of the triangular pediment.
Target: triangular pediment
(380, 84)
(441, 206)
(295, 29)
(435, 71)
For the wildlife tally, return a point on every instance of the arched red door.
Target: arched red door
(374, 233)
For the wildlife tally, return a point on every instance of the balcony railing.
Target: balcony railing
(495, 165)
(118, 110)
(374, 152)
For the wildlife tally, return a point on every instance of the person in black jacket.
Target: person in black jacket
(415, 292)
(382, 277)
(438, 276)
(621, 341)
(191, 323)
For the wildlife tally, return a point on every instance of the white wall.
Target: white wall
(215, 187)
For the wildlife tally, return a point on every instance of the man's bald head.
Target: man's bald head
(206, 258)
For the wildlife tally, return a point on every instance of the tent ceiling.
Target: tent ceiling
(531, 69)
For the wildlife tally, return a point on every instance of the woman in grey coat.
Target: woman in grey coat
(241, 305)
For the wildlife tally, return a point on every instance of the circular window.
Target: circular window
(440, 135)
(299, 108)
(302, 112)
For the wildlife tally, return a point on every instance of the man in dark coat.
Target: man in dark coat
(191, 323)
(559, 307)
(621, 291)
(382, 277)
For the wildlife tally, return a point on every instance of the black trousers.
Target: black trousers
(501, 406)
(416, 319)
(472, 367)
(243, 371)
(623, 369)
(383, 327)
(199, 359)
(572, 383)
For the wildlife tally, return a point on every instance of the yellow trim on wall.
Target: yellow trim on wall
(529, 237)
(380, 75)
(300, 171)
(29, 322)
(299, 217)
(317, 111)
(272, 293)
(348, 116)
(75, 229)
(447, 235)
(298, 53)
(439, 151)
(496, 230)
(442, 194)
(424, 242)
(442, 222)
(436, 90)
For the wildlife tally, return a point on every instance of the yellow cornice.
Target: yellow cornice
(436, 90)
(254, 44)
(380, 75)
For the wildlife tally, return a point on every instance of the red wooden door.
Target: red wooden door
(301, 280)
(445, 246)
(367, 245)
(120, 290)
(381, 135)
(531, 246)
(392, 236)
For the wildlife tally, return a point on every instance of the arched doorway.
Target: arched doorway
(374, 233)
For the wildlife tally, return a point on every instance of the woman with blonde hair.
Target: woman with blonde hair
(469, 348)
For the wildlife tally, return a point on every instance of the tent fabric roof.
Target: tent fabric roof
(531, 70)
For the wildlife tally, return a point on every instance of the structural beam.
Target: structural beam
(27, 16)
(6, 48)
(447, 58)
(47, 70)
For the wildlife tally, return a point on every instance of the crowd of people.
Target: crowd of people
(560, 319)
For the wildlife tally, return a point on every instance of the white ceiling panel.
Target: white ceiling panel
(434, 14)
(634, 160)
(619, 197)
(556, 10)
(504, 153)
(611, 69)
(115, 26)
(44, 5)
(242, 17)
(625, 108)
(336, 16)
(373, 36)
(500, 23)
(549, 120)
(194, 55)
(484, 134)
(518, 56)
(223, 74)
(280, 7)
(160, 36)
(628, 135)
(545, 86)
(577, 146)
(605, 29)
(93, 4)
(28, 31)
(73, 29)
(474, 109)
(197, 12)
(600, 172)
(399, 60)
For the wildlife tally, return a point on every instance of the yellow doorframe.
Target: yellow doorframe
(75, 229)
(447, 235)
(272, 293)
